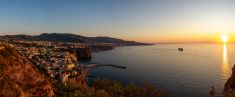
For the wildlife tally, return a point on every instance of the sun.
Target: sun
(224, 38)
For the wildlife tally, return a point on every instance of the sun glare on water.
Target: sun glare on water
(224, 38)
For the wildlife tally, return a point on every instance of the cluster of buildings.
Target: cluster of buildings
(52, 57)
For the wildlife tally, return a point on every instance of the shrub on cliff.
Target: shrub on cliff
(108, 88)
(101, 93)
(7, 87)
(116, 89)
(8, 51)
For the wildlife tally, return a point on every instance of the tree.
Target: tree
(102, 93)
(212, 92)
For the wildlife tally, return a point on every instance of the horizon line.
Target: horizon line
(212, 42)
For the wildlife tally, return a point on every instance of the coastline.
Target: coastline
(87, 69)
(99, 48)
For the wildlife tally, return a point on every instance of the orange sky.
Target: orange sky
(182, 38)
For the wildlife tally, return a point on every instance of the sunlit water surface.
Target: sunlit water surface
(190, 73)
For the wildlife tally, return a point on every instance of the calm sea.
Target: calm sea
(190, 73)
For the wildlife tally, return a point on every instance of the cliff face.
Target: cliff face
(20, 78)
(229, 88)
(83, 54)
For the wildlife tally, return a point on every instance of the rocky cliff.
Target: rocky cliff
(83, 54)
(20, 78)
(229, 88)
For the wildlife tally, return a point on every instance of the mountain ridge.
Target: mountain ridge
(73, 38)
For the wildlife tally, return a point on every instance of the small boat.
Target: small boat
(180, 49)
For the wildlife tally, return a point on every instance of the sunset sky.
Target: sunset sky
(152, 21)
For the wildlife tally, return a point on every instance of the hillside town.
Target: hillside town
(59, 60)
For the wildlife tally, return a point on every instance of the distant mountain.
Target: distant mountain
(64, 37)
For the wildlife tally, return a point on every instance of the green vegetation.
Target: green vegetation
(107, 88)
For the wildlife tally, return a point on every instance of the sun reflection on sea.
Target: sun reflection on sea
(225, 65)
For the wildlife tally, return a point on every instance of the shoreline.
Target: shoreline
(87, 69)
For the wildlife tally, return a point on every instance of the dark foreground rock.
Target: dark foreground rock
(229, 88)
